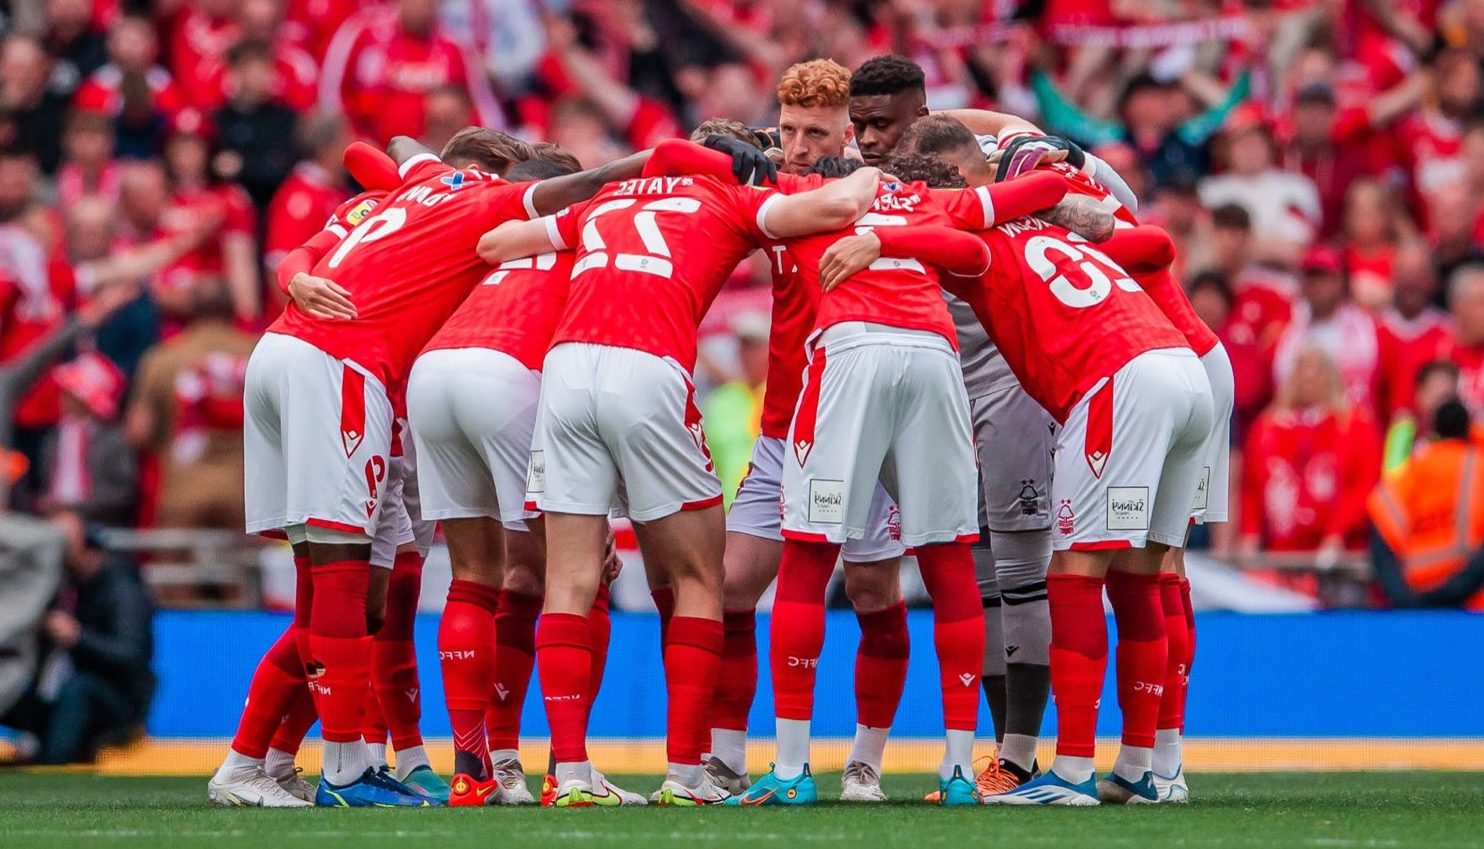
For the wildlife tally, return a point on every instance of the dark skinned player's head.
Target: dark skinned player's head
(887, 94)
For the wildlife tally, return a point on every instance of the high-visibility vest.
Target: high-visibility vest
(1430, 511)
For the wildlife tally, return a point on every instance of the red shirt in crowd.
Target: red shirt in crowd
(188, 207)
(1412, 343)
(37, 291)
(1307, 477)
(378, 74)
(198, 45)
(101, 91)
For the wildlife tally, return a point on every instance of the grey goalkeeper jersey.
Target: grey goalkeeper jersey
(985, 369)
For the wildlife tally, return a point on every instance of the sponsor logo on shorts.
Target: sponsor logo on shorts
(1066, 520)
(826, 502)
(803, 662)
(1203, 490)
(536, 473)
(1029, 500)
(1128, 508)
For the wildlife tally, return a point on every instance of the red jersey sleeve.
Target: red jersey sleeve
(370, 166)
(421, 167)
(564, 226)
(955, 251)
(1140, 250)
(674, 157)
(749, 205)
(986, 206)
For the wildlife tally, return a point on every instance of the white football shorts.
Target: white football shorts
(316, 439)
(615, 420)
(758, 509)
(473, 412)
(1129, 460)
(880, 404)
(1211, 500)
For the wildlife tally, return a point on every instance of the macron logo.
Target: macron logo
(1096, 460)
(802, 449)
(501, 691)
(967, 679)
(352, 440)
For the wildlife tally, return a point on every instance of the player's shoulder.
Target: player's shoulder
(360, 207)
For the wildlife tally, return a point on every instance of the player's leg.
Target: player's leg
(1015, 440)
(521, 597)
(753, 548)
(873, 583)
(573, 479)
(935, 485)
(1177, 384)
(837, 441)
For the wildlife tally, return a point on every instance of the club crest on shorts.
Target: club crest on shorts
(1065, 519)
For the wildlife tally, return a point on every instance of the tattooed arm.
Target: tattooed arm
(1082, 215)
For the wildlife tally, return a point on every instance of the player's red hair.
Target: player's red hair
(819, 82)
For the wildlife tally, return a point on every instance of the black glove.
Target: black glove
(1018, 155)
(749, 165)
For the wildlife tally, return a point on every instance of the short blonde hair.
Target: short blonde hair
(819, 82)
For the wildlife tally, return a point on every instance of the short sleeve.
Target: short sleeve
(749, 205)
(968, 209)
(563, 227)
(422, 167)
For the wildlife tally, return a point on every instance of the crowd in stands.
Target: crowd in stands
(1319, 162)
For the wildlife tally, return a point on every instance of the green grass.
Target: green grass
(1263, 811)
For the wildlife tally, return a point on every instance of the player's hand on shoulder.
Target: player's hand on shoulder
(750, 166)
(320, 297)
(848, 256)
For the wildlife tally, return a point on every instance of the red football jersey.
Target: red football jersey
(1063, 314)
(794, 303)
(515, 309)
(185, 212)
(299, 209)
(651, 255)
(899, 292)
(410, 265)
(1170, 297)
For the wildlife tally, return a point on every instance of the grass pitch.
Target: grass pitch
(1435, 810)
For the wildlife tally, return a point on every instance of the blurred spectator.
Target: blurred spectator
(186, 412)
(1327, 318)
(1451, 213)
(78, 47)
(731, 411)
(87, 465)
(88, 164)
(385, 59)
(506, 35)
(1212, 298)
(295, 73)
(1309, 464)
(255, 130)
(1373, 224)
(1436, 382)
(1284, 206)
(31, 107)
(201, 32)
(1264, 295)
(199, 194)
(1327, 147)
(312, 190)
(95, 683)
(446, 110)
(1428, 543)
(1466, 304)
(133, 50)
(1414, 330)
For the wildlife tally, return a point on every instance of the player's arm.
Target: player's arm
(319, 297)
(722, 157)
(955, 251)
(518, 239)
(403, 149)
(1082, 215)
(1140, 250)
(987, 206)
(987, 122)
(558, 193)
(833, 206)
(371, 167)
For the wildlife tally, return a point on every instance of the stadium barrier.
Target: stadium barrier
(1343, 690)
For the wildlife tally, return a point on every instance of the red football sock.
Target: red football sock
(373, 723)
(394, 656)
(1189, 645)
(564, 659)
(303, 606)
(296, 723)
(881, 665)
(341, 649)
(466, 640)
(664, 602)
(958, 629)
(1172, 702)
(692, 661)
(515, 656)
(1079, 659)
(797, 632)
(1142, 653)
(277, 681)
(602, 628)
(736, 684)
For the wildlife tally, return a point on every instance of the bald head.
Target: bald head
(1466, 302)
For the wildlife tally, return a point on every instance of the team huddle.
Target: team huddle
(977, 356)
